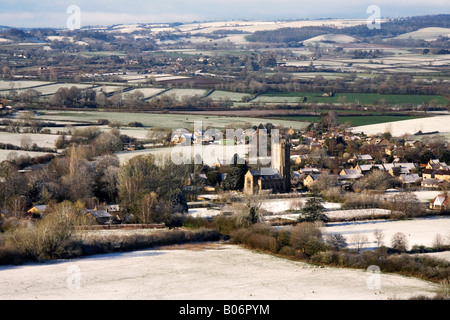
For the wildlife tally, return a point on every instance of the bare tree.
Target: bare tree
(399, 241)
(26, 142)
(405, 205)
(248, 211)
(147, 208)
(438, 242)
(359, 240)
(16, 206)
(379, 236)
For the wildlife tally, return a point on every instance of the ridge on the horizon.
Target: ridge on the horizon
(179, 23)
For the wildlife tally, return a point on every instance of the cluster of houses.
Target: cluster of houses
(107, 214)
(434, 175)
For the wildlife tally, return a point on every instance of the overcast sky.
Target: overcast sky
(53, 13)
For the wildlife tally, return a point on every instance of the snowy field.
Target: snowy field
(198, 272)
(420, 231)
(399, 128)
(41, 140)
(13, 154)
(428, 34)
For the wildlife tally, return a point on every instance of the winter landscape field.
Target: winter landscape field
(200, 272)
(103, 109)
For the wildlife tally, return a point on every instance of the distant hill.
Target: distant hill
(427, 34)
(338, 38)
(389, 29)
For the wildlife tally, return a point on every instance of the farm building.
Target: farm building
(37, 211)
(440, 202)
(99, 216)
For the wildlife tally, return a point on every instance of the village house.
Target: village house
(99, 216)
(37, 211)
(438, 174)
(440, 202)
(310, 179)
(382, 142)
(365, 168)
(309, 170)
(411, 143)
(350, 174)
(290, 132)
(196, 178)
(428, 173)
(410, 178)
(299, 159)
(431, 183)
(367, 158)
(435, 164)
(443, 175)
(405, 167)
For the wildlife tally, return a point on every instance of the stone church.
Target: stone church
(276, 179)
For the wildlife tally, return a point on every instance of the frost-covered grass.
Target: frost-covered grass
(41, 140)
(399, 128)
(171, 121)
(8, 154)
(419, 231)
(174, 273)
(180, 93)
(16, 85)
(233, 96)
(148, 92)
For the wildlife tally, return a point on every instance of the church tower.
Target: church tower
(281, 161)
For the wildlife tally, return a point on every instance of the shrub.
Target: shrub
(135, 124)
(125, 243)
(306, 239)
(196, 223)
(262, 242)
(323, 258)
(47, 239)
(10, 256)
(287, 251)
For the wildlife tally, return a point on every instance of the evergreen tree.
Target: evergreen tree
(313, 211)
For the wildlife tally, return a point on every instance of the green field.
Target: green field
(354, 121)
(358, 98)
